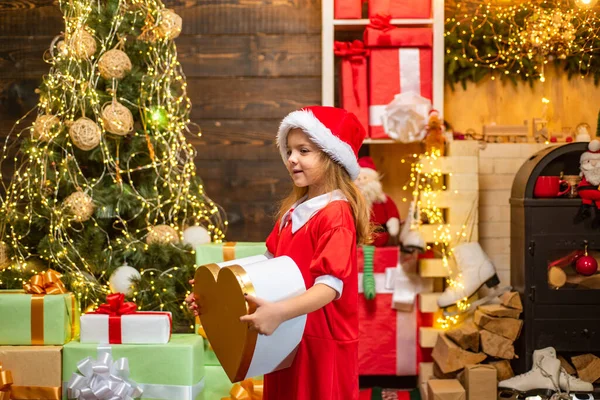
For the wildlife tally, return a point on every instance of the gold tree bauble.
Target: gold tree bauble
(4, 259)
(117, 118)
(162, 234)
(80, 206)
(85, 134)
(43, 125)
(114, 64)
(82, 44)
(170, 24)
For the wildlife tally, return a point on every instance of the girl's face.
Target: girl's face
(305, 162)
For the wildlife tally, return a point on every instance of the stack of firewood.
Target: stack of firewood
(489, 336)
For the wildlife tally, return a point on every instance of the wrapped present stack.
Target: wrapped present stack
(36, 323)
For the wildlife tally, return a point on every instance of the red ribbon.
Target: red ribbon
(115, 306)
(381, 22)
(355, 53)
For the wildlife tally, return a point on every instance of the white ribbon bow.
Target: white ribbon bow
(405, 117)
(103, 379)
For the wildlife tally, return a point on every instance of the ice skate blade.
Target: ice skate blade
(452, 310)
(533, 394)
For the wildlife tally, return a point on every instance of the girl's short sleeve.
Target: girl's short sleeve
(272, 241)
(332, 261)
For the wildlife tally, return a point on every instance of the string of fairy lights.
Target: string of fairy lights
(425, 185)
(74, 115)
(521, 37)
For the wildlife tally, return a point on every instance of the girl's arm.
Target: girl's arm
(268, 316)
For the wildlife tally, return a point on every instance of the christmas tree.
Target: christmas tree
(105, 175)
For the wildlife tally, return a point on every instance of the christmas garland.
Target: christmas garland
(515, 43)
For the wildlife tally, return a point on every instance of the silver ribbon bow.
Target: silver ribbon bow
(103, 379)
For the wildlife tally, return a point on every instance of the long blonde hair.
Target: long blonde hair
(336, 177)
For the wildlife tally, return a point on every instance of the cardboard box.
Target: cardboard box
(36, 371)
(445, 389)
(481, 382)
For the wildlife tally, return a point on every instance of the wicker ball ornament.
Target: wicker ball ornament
(117, 118)
(170, 24)
(82, 44)
(80, 205)
(85, 134)
(114, 64)
(162, 234)
(43, 125)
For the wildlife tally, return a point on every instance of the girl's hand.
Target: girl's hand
(191, 301)
(267, 317)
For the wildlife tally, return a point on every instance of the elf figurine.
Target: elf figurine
(384, 214)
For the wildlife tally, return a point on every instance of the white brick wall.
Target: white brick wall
(498, 164)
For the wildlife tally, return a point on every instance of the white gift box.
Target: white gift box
(138, 328)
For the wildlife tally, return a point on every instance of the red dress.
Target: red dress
(326, 365)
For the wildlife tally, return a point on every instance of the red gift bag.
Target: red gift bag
(353, 79)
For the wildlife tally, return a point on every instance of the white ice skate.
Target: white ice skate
(476, 270)
(540, 380)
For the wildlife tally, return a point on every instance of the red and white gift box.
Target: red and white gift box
(347, 9)
(412, 9)
(400, 61)
(353, 79)
(387, 339)
(117, 322)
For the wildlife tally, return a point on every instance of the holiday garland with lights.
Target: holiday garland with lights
(106, 176)
(516, 40)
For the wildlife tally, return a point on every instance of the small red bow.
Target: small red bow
(115, 305)
(381, 22)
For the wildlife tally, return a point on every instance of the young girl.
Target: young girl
(319, 225)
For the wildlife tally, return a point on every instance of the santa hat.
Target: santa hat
(335, 131)
(593, 152)
(367, 166)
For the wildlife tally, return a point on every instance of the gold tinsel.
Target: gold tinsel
(82, 44)
(117, 118)
(162, 234)
(43, 125)
(170, 24)
(80, 206)
(85, 134)
(114, 64)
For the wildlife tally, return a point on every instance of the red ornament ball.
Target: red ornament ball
(569, 139)
(586, 265)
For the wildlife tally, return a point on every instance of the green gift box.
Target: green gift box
(218, 252)
(37, 319)
(172, 371)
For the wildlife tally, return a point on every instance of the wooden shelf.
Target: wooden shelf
(352, 24)
(380, 141)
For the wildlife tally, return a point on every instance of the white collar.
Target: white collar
(303, 209)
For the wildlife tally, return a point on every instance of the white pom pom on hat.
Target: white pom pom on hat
(593, 152)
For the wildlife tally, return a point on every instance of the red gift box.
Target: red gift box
(353, 79)
(347, 9)
(400, 61)
(387, 339)
(401, 8)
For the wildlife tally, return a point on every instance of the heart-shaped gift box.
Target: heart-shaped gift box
(219, 290)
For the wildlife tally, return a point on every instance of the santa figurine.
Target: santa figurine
(589, 187)
(384, 213)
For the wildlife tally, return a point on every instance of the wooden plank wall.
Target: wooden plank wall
(248, 63)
